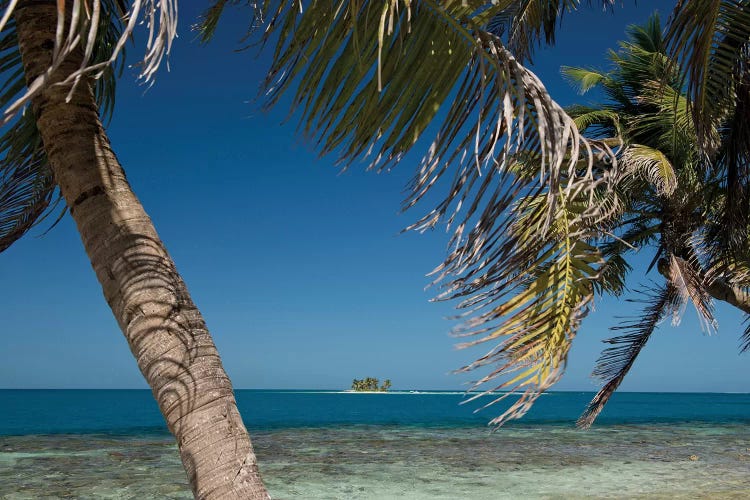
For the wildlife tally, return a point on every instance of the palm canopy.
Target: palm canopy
(523, 188)
(711, 39)
(98, 29)
(674, 197)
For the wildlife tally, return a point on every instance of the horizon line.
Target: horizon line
(338, 390)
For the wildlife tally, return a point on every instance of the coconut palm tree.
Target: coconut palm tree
(676, 198)
(527, 194)
(49, 53)
(52, 56)
(711, 40)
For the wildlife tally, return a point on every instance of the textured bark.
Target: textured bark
(164, 329)
(733, 295)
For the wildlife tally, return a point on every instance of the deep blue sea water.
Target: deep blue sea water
(328, 444)
(127, 411)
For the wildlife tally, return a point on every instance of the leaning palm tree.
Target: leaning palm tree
(712, 42)
(50, 52)
(58, 58)
(58, 51)
(526, 196)
(675, 199)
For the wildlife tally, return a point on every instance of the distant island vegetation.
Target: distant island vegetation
(370, 384)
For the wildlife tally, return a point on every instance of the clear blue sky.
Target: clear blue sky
(300, 272)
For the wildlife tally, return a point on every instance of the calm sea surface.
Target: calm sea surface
(332, 445)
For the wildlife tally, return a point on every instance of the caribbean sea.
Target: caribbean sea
(399, 445)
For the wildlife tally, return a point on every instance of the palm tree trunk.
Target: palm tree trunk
(733, 295)
(164, 329)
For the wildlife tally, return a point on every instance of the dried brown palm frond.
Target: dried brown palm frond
(686, 277)
(615, 362)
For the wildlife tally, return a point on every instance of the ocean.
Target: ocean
(400, 445)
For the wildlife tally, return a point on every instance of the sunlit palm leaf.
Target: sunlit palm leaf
(666, 123)
(530, 297)
(584, 79)
(615, 362)
(652, 164)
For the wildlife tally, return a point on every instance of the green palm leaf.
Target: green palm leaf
(26, 184)
(710, 39)
(584, 79)
(745, 340)
(528, 23)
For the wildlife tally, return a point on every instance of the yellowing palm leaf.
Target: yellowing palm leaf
(652, 164)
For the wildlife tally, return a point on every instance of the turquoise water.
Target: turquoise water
(331, 445)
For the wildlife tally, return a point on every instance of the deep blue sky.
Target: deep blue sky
(300, 272)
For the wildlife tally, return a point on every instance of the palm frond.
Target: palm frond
(26, 184)
(584, 79)
(665, 123)
(745, 339)
(375, 77)
(652, 164)
(530, 300)
(529, 23)
(615, 362)
(533, 21)
(209, 19)
(734, 164)
(707, 38)
(612, 274)
(372, 78)
(79, 26)
(596, 123)
(686, 278)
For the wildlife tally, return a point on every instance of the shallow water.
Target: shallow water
(387, 462)
(329, 445)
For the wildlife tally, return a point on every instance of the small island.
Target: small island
(370, 384)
